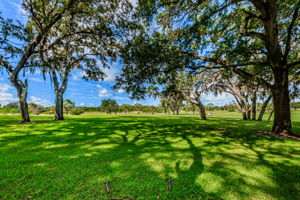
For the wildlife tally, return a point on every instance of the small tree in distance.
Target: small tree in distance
(68, 104)
(109, 105)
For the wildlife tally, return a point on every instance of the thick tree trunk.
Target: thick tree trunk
(244, 114)
(22, 95)
(281, 100)
(253, 106)
(241, 106)
(248, 113)
(59, 106)
(202, 112)
(59, 91)
(263, 108)
(24, 106)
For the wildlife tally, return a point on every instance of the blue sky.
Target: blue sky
(84, 93)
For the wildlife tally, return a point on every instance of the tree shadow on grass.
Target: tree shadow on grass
(71, 159)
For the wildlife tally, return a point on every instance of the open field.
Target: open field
(215, 159)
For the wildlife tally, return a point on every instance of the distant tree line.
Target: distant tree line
(110, 106)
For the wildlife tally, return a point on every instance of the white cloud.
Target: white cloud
(220, 99)
(212, 97)
(36, 79)
(40, 101)
(120, 91)
(110, 73)
(98, 86)
(104, 93)
(82, 104)
(6, 98)
(133, 2)
(20, 10)
(121, 98)
(78, 75)
(4, 87)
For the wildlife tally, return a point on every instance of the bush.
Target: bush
(231, 109)
(6, 109)
(76, 111)
(35, 108)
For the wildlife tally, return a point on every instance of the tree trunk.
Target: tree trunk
(202, 112)
(281, 100)
(22, 95)
(241, 106)
(263, 108)
(244, 114)
(59, 91)
(24, 106)
(59, 106)
(271, 113)
(248, 112)
(253, 106)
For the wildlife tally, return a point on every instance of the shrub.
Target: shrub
(231, 109)
(35, 108)
(76, 111)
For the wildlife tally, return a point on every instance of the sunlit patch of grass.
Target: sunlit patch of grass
(215, 159)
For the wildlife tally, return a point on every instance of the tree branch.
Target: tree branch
(289, 31)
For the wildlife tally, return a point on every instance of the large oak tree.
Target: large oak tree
(235, 35)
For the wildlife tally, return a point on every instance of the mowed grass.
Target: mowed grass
(215, 159)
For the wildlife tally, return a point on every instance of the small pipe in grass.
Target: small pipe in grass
(106, 183)
(169, 183)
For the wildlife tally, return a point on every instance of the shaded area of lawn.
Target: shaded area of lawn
(204, 159)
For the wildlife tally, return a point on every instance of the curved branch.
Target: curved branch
(289, 31)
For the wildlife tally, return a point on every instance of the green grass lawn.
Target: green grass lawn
(215, 159)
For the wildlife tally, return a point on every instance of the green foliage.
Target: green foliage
(13, 105)
(295, 105)
(68, 105)
(35, 108)
(6, 109)
(76, 111)
(231, 109)
(109, 105)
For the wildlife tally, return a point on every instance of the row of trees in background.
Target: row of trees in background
(186, 87)
(110, 106)
(36, 109)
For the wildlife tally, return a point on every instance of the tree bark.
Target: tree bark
(244, 114)
(22, 95)
(264, 107)
(248, 112)
(59, 106)
(59, 91)
(202, 112)
(241, 106)
(271, 113)
(281, 100)
(253, 106)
